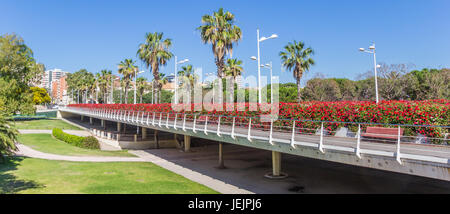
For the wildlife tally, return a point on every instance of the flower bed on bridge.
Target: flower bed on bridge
(428, 112)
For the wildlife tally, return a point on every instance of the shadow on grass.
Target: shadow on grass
(9, 183)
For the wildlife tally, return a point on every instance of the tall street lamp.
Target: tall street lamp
(135, 83)
(269, 66)
(372, 48)
(176, 77)
(273, 36)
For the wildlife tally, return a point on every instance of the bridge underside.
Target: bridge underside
(428, 169)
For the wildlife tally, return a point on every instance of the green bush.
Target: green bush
(91, 142)
(82, 142)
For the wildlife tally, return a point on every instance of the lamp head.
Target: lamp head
(253, 57)
(361, 49)
(273, 36)
(372, 47)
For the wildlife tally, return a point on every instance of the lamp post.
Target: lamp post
(372, 47)
(269, 65)
(176, 77)
(135, 83)
(273, 36)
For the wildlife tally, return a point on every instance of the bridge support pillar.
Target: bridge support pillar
(276, 163)
(178, 143)
(156, 138)
(221, 162)
(82, 118)
(90, 120)
(118, 126)
(144, 133)
(276, 167)
(187, 143)
(103, 124)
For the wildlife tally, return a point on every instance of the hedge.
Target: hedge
(89, 142)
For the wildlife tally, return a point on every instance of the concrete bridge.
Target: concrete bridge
(425, 160)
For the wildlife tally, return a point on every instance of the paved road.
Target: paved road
(39, 131)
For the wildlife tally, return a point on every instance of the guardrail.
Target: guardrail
(311, 133)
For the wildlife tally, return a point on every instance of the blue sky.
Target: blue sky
(99, 34)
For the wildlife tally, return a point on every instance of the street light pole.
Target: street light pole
(259, 69)
(176, 80)
(375, 69)
(273, 36)
(269, 65)
(372, 47)
(176, 76)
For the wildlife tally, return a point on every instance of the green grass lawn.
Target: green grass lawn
(46, 143)
(45, 124)
(30, 175)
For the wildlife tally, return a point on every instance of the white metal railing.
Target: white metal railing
(151, 119)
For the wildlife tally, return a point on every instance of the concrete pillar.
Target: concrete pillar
(178, 143)
(187, 143)
(90, 120)
(221, 162)
(118, 126)
(144, 133)
(118, 136)
(156, 138)
(135, 137)
(103, 124)
(109, 135)
(276, 163)
(82, 118)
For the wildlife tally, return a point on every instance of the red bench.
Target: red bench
(382, 132)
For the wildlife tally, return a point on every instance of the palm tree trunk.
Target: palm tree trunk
(299, 98)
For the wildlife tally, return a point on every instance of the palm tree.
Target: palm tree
(188, 75)
(8, 136)
(233, 68)
(162, 80)
(141, 86)
(298, 59)
(154, 53)
(220, 31)
(104, 79)
(128, 70)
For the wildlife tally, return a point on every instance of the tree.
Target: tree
(392, 81)
(347, 88)
(40, 96)
(298, 59)
(82, 83)
(155, 53)
(219, 30)
(8, 133)
(104, 79)
(318, 89)
(188, 76)
(141, 86)
(233, 68)
(18, 70)
(128, 70)
(162, 80)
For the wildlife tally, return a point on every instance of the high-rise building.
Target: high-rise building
(49, 76)
(59, 91)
